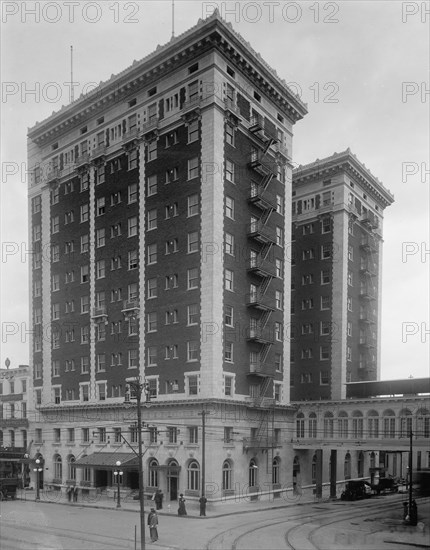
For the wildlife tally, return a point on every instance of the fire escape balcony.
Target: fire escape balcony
(53, 176)
(131, 306)
(260, 301)
(260, 335)
(367, 293)
(367, 318)
(99, 152)
(82, 160)
(367, 343)
(369, 245)
(282, 150)
(99, 312)
(231, 107)
(262, 197)
(263, 163)
(192, 104)
(260, 443)
(368, 270)
(261, 267)
(130, 137)
(261, 232)
(149, 126)
(258, 128)
(259, 369)
(370, 220)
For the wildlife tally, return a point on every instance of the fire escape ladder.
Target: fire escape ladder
(266, 216)
(265, 318)
(265, 250)
(265, 285)
(266, 180)
(265, 386)
(268, 144)
(264, 352)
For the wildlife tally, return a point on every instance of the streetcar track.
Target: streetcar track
(263, 524)
(71, 534)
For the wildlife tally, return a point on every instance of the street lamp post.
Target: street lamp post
(38, 469)
(139, 388)
(118, 473)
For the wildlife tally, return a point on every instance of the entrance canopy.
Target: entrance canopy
(108, 460)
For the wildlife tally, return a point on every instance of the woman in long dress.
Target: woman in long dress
(181, 510)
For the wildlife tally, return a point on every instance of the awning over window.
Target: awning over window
(107, 460)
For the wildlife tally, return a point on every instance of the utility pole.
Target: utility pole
(140, 388)
(203, 452)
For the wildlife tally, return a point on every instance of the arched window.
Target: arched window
(227, 476)
(360, 464)
(71, 473)
(347, 467)
(423, 423)
(357, 424)
(342, 425)
(252, 473)
(58, 467)
(276, 469)
(328, 425)
(193, 476)
(153, 473)
(389, 429)
(314, 469)
(372, 424)
(312, 425)
(405, 422)
(300, 425)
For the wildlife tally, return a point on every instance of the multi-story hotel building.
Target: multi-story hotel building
(159, 213)
(336, 257)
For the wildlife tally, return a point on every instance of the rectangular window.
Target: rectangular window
(132, 260)
(229, 244)
(152, 254)
(229, 207)
(132, 225)
(85, 274)
(152, 150)
(193, 242)
(325, 277)
(132, 193)
(101, 206)
(152, 186)
(193, 278)
(192, 350)
(325, 302)
(228, 316)
(326, 251)
(171, 175)
(193, 205)
(152, 356)
(229, 279)
(55, 224)
(100, 269)
(192, 314)
(228, 352)
(85, 243)
(230, 171)
(193, 131)
(324, 353)
(193, 168)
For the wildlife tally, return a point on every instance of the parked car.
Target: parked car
(356, 489)
(386, 484)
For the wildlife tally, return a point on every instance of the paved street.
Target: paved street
(373, 524)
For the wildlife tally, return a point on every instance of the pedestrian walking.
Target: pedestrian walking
(203, 501)
(158, 499)
(70, 493)
(75, 494)
(153, 525)
(181, 510)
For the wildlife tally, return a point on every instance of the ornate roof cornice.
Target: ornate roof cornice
(345, 161)
(212, 32)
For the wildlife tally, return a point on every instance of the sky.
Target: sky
(361, 66)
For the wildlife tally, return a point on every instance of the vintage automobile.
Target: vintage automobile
(385, 484)
(8, 487)
(356, 489)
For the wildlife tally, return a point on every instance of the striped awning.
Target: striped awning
(108, 460)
